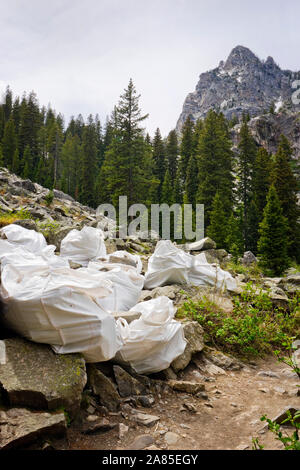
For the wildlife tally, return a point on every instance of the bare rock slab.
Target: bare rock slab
(35, 377)
(194, 335)
(20, 427)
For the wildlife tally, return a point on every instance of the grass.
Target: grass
(7, 218)
(254, 327)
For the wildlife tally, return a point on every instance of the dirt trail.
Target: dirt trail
(227, 420)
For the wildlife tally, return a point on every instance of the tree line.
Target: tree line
(250, 196)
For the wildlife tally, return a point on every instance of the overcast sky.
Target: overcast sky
(79, 54)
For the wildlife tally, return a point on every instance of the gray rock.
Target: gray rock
(193, 333)
(104, 388)
(187, 387)
(60, 195)
(284, 415)
(26, 223)
(26, 184)
(171, 438)
(145, 419)
(222, 360)
(99, 425)
(128, 385)
(168, 291)
(34, 376)
(20, 427)
(56, 237)
(141, 442)
(201, 245)
(248, 258)
(146, 401)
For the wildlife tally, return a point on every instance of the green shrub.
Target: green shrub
(253, 327)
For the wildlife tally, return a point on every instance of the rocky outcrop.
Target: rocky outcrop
(33, 376)
(20, 427)
(243, 83)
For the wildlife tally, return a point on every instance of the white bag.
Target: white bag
(127, 285)
(59, 306)
(14, 237)
(153, 341)
(171, 265)
(83, 246)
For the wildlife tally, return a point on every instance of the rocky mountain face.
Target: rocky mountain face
(244, 83)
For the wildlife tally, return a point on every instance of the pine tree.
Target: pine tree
(273, 243)
(246, 159)
(127, 167)
(234, 240)
(9, 143)
(15, 168)
(89, 164)
(218, 229)
(28, 163)
(286, 187)
(191, 181)
(261, 179)
(186, 146)
(214, 157)
(159, 161)
(254, 219)
(167, 190)
(172, 154)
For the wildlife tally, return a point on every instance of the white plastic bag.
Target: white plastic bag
(14, 237)
(167, 265)
(59, 306)
(171, 265)
(127, 285)
(83, 246)
(153, 341)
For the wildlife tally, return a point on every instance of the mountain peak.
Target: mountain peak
(239, 56)
(243, 84)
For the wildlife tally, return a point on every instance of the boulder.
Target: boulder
(248, 258)
(128, 385)
(193, 333)
(56, 237)
(20, 427)
(222, 360)
(34, 376)
(104, 388)
(215, 256)
(168, 291)
(201, 245)
(60, 195)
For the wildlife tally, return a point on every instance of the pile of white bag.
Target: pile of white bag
(48, 302)
(72, 310)
(171, 265)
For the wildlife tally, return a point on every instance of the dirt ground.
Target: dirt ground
(228, 419)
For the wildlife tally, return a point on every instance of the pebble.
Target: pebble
(171, 438)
